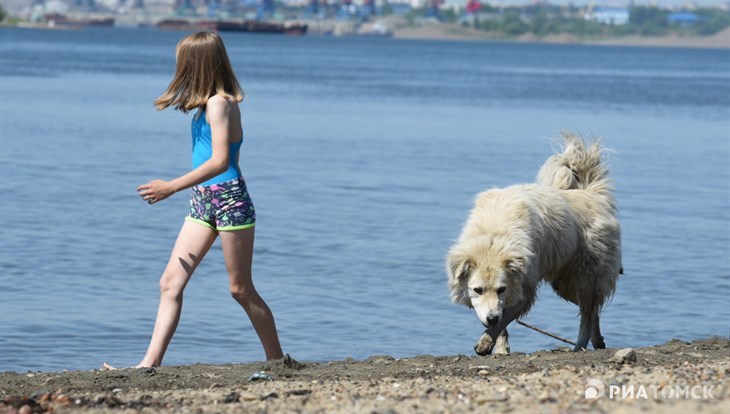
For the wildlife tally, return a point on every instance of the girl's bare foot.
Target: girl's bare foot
(105, 366)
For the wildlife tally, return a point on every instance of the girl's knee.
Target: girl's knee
(171, 285)
(242, 293)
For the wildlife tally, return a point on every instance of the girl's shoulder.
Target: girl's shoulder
(218, 107)
(218, 100)
(220, 103)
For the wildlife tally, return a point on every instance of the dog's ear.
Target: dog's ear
(460, 270)
(515, 264)
(458, 267)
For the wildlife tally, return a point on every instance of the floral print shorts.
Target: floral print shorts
(223, 207)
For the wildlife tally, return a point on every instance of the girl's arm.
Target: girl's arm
(217, 112)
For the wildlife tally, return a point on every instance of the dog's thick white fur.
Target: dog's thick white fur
(562, 230)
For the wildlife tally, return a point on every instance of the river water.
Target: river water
(363, 157)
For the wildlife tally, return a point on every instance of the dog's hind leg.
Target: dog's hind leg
(587, 316)
(596, 338)
(501, 346)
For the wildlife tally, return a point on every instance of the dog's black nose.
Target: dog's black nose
(491, 321)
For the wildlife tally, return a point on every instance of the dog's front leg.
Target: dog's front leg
(501, 347)
(496, 336)
(489, 342)
(485, 344)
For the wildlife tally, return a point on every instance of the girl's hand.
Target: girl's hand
(155, 190)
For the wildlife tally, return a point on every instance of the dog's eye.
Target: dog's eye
(478, 291)
(501, 290)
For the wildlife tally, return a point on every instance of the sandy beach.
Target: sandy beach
(676, 377)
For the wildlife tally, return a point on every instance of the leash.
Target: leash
(567, 341)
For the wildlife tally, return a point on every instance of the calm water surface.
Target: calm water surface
(362, 157)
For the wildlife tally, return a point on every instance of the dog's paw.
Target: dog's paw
(484, 345)
(501, 350)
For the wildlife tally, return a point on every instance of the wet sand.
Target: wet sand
(544, 381)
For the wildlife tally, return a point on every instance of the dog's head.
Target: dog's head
(484, 277)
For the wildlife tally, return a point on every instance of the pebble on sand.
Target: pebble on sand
(626, 355)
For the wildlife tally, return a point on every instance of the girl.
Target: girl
(220, 204)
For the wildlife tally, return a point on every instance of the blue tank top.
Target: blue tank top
(203, 150)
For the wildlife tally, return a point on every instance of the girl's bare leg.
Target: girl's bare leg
(238, 253)
(192, 244)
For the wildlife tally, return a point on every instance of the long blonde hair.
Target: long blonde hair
(203, 70)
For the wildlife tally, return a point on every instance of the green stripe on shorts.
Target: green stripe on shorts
(233, 228)
(205, 223)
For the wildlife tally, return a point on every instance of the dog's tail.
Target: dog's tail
(578, 166)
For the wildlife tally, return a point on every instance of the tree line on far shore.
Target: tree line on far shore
(542, 20)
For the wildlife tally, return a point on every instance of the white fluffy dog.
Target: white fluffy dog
(562, 230)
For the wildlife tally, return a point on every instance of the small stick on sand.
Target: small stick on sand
(567, 341)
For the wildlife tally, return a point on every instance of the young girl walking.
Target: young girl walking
(220, 204)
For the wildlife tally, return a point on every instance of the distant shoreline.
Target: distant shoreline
(720, 40)
(453, 32)
(685, 377)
